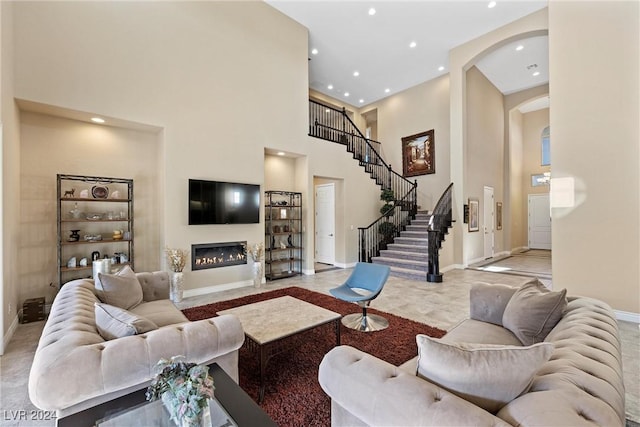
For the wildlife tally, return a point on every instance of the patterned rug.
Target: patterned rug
(293, 396)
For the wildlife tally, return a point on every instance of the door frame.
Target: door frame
(315, 243)
(488, 229)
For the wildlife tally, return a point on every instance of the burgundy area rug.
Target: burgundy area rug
(293, 396)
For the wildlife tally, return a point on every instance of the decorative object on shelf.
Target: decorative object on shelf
(474, 214)
(75, 213)
(94, 216)
(95, 255)
(276, 229)
(257, 253)
(285, 228)
(83, 262)
(115, 195)
(72, 263)
(177, 260)
(100, 191)
(117, 235)
(75, 236)
(69, 193)
(184, 388)
(93, 237)
(101, 266)
(84, 194)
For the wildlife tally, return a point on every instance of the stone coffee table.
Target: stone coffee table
(269, 324)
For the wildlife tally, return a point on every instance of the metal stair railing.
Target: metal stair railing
(439, 223)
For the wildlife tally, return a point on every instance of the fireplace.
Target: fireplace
(214, 255)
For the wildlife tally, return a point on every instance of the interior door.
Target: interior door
(488, 221)
(539, 221)
(325, 224)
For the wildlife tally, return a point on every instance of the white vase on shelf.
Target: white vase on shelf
(257, 274)
(177, 286)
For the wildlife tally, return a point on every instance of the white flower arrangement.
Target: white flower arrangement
(185, 389)
(177, 259)
(257, 251)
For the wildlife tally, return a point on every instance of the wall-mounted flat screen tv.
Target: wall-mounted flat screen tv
(214, 202)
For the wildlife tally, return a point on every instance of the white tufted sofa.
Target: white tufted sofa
(75, 368)
(580, 385)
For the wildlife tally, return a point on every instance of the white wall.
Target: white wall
(594, 57)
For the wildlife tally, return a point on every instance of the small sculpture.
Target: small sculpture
(72, 263)
(117, 235)
(69, 193)
(75, 236)
(83, 262)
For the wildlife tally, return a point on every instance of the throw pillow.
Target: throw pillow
(123, 291)
(114, 322)
(125, 272)
(533, 311)
(489, 376)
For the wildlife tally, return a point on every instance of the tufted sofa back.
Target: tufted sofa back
(582, 382)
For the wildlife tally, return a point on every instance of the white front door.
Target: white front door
(489, 234)
(325, 224)
(539, 221)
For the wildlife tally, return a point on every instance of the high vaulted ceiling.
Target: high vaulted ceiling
(364, 56)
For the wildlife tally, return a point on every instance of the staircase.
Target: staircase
(408, 255)
(404, 239)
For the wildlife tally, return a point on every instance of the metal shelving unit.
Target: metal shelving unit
(92, 205)
(283, 234)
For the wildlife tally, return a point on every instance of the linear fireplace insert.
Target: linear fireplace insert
(214, 255)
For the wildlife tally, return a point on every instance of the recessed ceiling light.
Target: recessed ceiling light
(97, 120)
(314, 51)
(441, 68)
(346, 94)
(387, 90)
(356, 73)
(330, 87)
(537, 73)
(520, 47)
(413, 44)
(361, 101)
(491, 4)
(280, 153)
(372, 11)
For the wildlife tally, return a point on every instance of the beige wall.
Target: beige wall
(534, 123)
(189, 68)
(52, 145)
(515, 216)
(279, 173)
(485, 151)
(10, 176)
(515, 231)
(461, 59)
(594, 68)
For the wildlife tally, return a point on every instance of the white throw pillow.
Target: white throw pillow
(114, 322)
(122, 290)
(489, 376)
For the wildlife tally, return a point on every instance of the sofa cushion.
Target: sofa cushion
(114, 322)
(475, 331)
(488, 301)
(121, 289)
(533, 311)
(489, 376)
(161, 312)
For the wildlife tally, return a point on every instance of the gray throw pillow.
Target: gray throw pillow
(123, 291)
(126, 271)
(114, 322)
(533, 311)
(489, 376)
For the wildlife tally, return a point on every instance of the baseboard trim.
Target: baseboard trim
(7, 337)
(627, 316)
(217, 288)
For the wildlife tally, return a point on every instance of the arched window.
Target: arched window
(546, 148)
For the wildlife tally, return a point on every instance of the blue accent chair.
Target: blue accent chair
(363, 285)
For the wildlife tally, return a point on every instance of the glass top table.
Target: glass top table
(230, 399)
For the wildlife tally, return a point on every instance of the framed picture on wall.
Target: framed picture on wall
(474, 214)
(418, 154)
(499, 215)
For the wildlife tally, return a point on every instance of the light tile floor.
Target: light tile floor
(441, 305)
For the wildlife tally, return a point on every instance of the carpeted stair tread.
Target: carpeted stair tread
(407, 248)
(409, 274)
(401, 263)
(417, 256)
